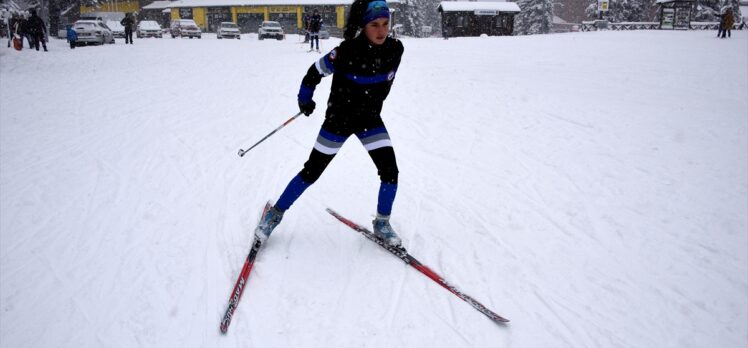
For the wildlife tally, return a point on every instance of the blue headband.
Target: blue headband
(376, 9)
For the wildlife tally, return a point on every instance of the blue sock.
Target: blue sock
(292, 192)
(386, 198)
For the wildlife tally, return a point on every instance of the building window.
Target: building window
(460, 22)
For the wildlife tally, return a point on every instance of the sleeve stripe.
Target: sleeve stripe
(324, 66)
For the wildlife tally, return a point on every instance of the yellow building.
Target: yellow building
(113, 6)
(249, 14)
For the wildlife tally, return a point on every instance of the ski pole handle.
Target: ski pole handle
(242, 152)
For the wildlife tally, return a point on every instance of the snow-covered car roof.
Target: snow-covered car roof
(114, 25)
(85, 24)
(149, 25)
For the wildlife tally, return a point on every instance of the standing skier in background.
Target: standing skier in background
(363, 69)
(315, 24)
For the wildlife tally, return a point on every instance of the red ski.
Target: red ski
(401, 253)
(241, 283)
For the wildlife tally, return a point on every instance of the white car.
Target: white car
(271, 29)
(117, 29)
(229, 30)
(92, 32)
(149, 29)
(185, 27)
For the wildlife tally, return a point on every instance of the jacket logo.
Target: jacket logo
(391, 76)
(333, 54)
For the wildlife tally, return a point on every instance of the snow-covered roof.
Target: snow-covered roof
(228, 3)
(667, 1)
(470, 6)
(159, 5)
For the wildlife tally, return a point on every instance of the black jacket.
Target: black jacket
(35, 25)
(127, 22)
(362, 77)
(315, 23)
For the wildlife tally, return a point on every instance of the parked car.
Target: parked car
(148, 29)
(93, 32)
(185, 27)
(324, 33)
(270, 29)
(228, 29)
(117, 29)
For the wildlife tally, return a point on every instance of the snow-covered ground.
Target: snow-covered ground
(591, 187)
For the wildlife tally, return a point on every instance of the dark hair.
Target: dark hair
(355, 18)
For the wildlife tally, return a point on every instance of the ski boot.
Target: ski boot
(267, 224)
(383, 230)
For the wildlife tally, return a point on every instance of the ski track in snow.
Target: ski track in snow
(591, 187)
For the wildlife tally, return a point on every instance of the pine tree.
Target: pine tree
(709, 10)
(536, 17)
(419, 13)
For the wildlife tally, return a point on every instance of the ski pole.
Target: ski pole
(242, 152)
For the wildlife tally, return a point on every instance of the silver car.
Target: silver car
(149, 29)
(92, 32)
(324, 34)
(229, 30)
(270, 29)
(118, 30)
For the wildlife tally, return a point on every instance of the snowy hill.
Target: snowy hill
(590, 187)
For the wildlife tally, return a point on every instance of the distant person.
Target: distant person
(20, 29)
(315, 24)
(37, 30)
(306, 28)
(728, 20)
(72, 36)
(128, 22)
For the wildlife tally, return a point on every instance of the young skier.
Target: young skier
(315, 24)
(363, 69)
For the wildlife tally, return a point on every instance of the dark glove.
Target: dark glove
(307, 107)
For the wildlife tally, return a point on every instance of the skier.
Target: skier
(315, 24)
(363, 69)
(128, 22)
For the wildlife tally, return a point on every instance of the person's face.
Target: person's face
(376, 31)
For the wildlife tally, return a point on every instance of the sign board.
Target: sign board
(668, 14)
(602, 5)
(185, 13)
(486, 12)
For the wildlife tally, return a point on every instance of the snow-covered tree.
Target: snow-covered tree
(419, 13)
(709, 10)
(536, 17)
(20, 5)
(623, 11)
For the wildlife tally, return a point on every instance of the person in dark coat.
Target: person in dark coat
(19, 29)
(128, 22)
(37, 30)
(728, 20)
(315, 24)
(363, 68)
